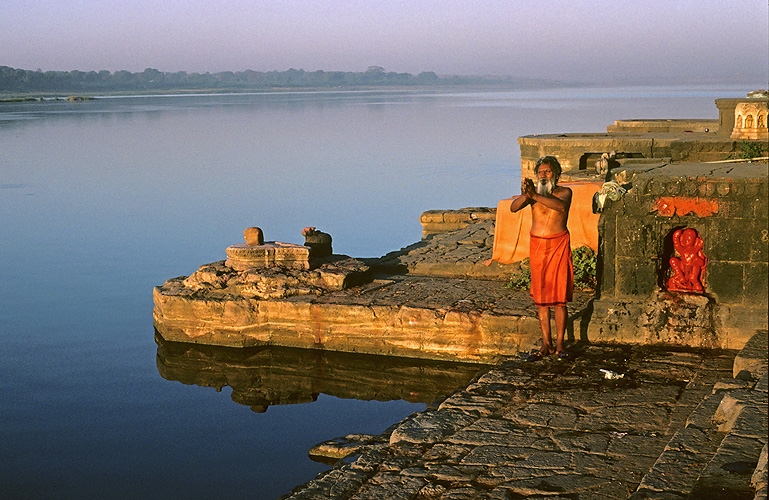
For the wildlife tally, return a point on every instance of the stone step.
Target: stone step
(752, 359)
(717, 454)
(743, 416)
(674, 474)
(759, 479)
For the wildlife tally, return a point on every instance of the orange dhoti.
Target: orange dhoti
(552, 272)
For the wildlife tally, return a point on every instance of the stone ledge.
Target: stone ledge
(664, 125)
(446, 324)
(752, 359)
(734, 418)
(441, 221)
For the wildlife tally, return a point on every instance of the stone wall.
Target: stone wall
(579, 152)
(727, 204)
(662, 126)
(683, 140)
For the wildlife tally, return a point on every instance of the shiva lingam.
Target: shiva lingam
(257, 253)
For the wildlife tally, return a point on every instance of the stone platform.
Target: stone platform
(456, 319)
(680, 423)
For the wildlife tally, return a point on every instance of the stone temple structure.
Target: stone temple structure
(750, 120)
(678, 140)
(679, 175)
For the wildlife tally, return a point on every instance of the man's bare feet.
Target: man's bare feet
(536, 356)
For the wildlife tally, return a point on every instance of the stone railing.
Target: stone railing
(662, 126)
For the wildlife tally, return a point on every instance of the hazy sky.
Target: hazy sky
(689, 40)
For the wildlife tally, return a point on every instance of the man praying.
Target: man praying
(552, 271)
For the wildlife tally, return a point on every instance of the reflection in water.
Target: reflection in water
(264, 376)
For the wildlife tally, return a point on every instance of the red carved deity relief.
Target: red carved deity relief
(688, 268)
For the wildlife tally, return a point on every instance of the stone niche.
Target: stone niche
(750, 118)
(727, 204)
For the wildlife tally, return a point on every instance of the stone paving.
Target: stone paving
(457, 252)
(561, 429)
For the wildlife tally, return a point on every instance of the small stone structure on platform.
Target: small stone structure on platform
(441, 221)
(318, 242)
(640, 299)
(255, 253)
(271, 254)
(214, 303)
(750, 120)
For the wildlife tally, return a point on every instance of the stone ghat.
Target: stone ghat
(455, 319)
(681, 423)
(435, 299)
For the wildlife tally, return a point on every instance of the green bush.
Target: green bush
(752, 149)
(584, 260)
(522, 278)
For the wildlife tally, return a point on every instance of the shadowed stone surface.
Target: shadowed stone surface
(549, 429)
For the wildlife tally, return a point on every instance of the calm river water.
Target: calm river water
(102, 200)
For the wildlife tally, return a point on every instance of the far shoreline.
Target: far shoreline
(47, 96)
(31, 97)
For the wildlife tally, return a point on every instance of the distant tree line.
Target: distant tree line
(24, 81)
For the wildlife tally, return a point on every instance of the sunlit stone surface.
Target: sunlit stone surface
(273, 253)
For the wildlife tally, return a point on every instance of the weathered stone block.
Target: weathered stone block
(760, 207)
(753, 357)
(756, 283)
(431, 427)
(728, 474)
(725, 281)
(636, 277)
(730, 239)
(253, 236)
(679, 318)
(497, 455)
(543, 414)
(614, 320)
(241, 257)
(738, 322)
(735, 206)
(318, 242)
(638, 238)
(431, 216)
(759, 249)
(457, 216)
(606, 260)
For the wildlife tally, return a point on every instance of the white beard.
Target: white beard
(545, 187)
